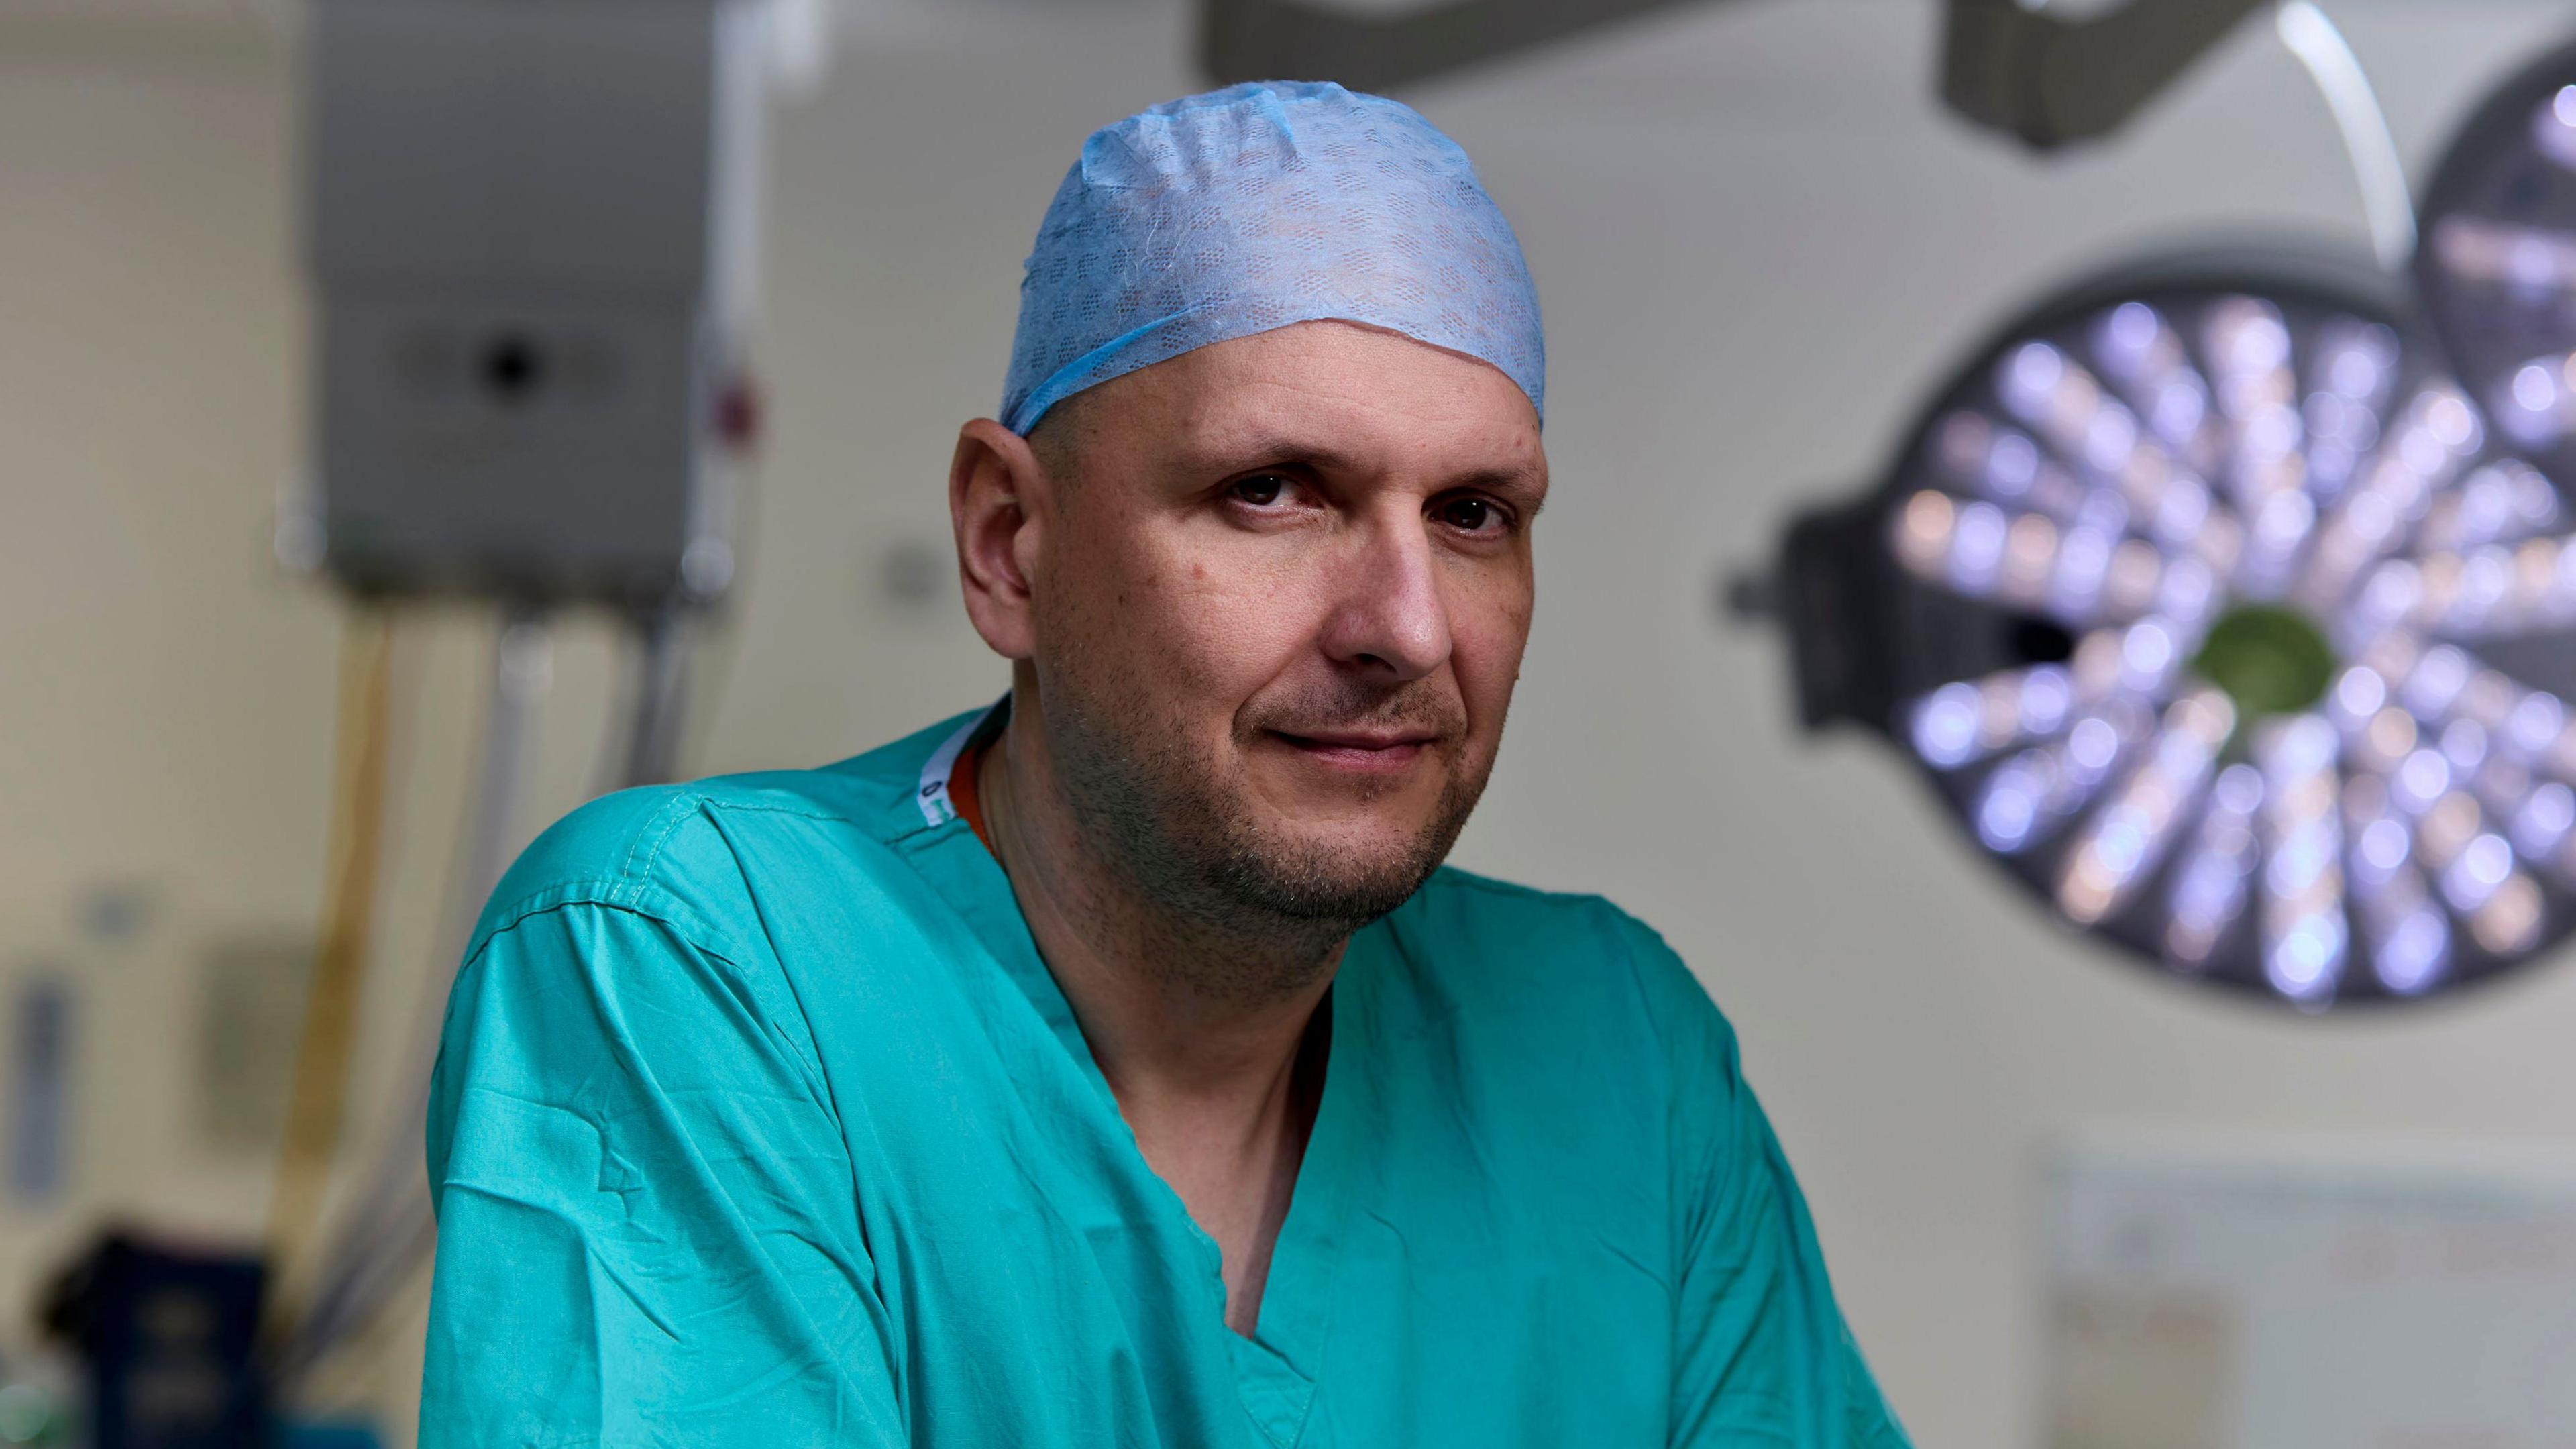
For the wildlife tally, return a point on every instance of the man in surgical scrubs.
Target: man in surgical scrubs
(1118, 1065)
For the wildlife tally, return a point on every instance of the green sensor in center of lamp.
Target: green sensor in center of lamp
(2270, 660)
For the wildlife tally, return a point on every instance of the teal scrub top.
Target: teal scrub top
(758, 1121)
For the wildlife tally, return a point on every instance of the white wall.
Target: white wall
(1759, 243)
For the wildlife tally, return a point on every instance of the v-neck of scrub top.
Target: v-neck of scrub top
(1276, 1367)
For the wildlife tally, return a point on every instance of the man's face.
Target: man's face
(1279, 596)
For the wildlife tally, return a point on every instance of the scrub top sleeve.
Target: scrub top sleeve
(1760, 1350)
(647, 1226)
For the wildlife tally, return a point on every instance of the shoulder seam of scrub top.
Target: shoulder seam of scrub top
(628, 888)
(688, 802)
(1622, 928)
(1728, 1070)
(682, 922)
(693, 932)
(675, 810)
(624, 897)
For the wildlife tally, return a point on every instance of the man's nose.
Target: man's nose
(1390, 622)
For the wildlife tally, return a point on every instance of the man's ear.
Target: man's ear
(995, 504)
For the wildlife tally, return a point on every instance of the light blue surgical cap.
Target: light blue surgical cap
(1242, 210)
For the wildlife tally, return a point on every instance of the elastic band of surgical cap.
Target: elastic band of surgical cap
(1251, 208)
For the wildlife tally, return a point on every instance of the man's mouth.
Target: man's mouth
(1361, 751)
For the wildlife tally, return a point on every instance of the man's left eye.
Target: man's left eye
(1261, 490)
(1470, 515)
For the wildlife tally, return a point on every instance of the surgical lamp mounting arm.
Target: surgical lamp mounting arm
(2049, 79)
(2044, 77)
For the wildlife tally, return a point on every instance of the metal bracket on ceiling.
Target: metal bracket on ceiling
(2016, 66)
(2049, 79)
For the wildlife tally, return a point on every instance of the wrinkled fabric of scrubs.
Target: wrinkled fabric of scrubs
(760, 1122)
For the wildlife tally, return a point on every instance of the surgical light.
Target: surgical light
(2207, 603)
(2497, 259)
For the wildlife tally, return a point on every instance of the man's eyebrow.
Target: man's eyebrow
(1285, 449)
(1258, 450)
(1518, 486)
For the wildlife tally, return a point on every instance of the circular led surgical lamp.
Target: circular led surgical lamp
(2202, 597)
(2497, 261)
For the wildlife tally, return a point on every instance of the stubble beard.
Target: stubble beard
(1182, 832)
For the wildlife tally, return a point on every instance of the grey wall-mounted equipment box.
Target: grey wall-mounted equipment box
(531, 227)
